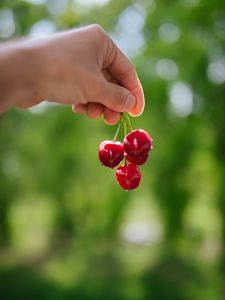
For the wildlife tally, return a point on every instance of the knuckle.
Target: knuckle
(130, 70)
(98, 37)
(97, 29)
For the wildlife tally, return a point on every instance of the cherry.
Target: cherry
(137, 143)
(128, 176)
(110, 153)
(137, 160)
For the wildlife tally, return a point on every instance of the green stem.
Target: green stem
(118, 129)
(127, 121)
(125, 127)
(125, 133)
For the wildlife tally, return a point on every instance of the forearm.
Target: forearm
(16, 75)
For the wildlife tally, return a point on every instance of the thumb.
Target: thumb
(117, 98)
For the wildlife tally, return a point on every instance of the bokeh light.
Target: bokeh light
(169, 32)
(181, 99)
(7, 23)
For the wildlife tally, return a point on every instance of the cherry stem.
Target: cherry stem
(125, 133)
(118, 129)
(127, 121)
(125, 127)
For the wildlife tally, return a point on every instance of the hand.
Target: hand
(84, 68)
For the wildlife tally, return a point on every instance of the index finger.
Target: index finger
(124, 72)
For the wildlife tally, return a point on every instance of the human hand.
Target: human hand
(86, 69)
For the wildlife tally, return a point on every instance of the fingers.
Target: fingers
(116, 97)
(92, 110)
(113, 99)
(138, 92)
(119, 66)
(111, 117)
(109, 77)
(95, 110)
(79, 108)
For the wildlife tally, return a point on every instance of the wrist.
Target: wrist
(17, 82)
(27, 73)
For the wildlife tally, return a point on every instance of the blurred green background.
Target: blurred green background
(67, 230)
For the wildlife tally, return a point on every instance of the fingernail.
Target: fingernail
(130, 103)
(137, 114)
(79, 109)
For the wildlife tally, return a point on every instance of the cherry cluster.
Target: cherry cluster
(134, 149)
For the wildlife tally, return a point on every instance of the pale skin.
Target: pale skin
(82, 68)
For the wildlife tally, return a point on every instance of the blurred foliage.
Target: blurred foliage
(67, 231)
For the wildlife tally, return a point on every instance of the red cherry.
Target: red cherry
(128, 176)
(137, 160)
(137, 143)
(110, 153)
